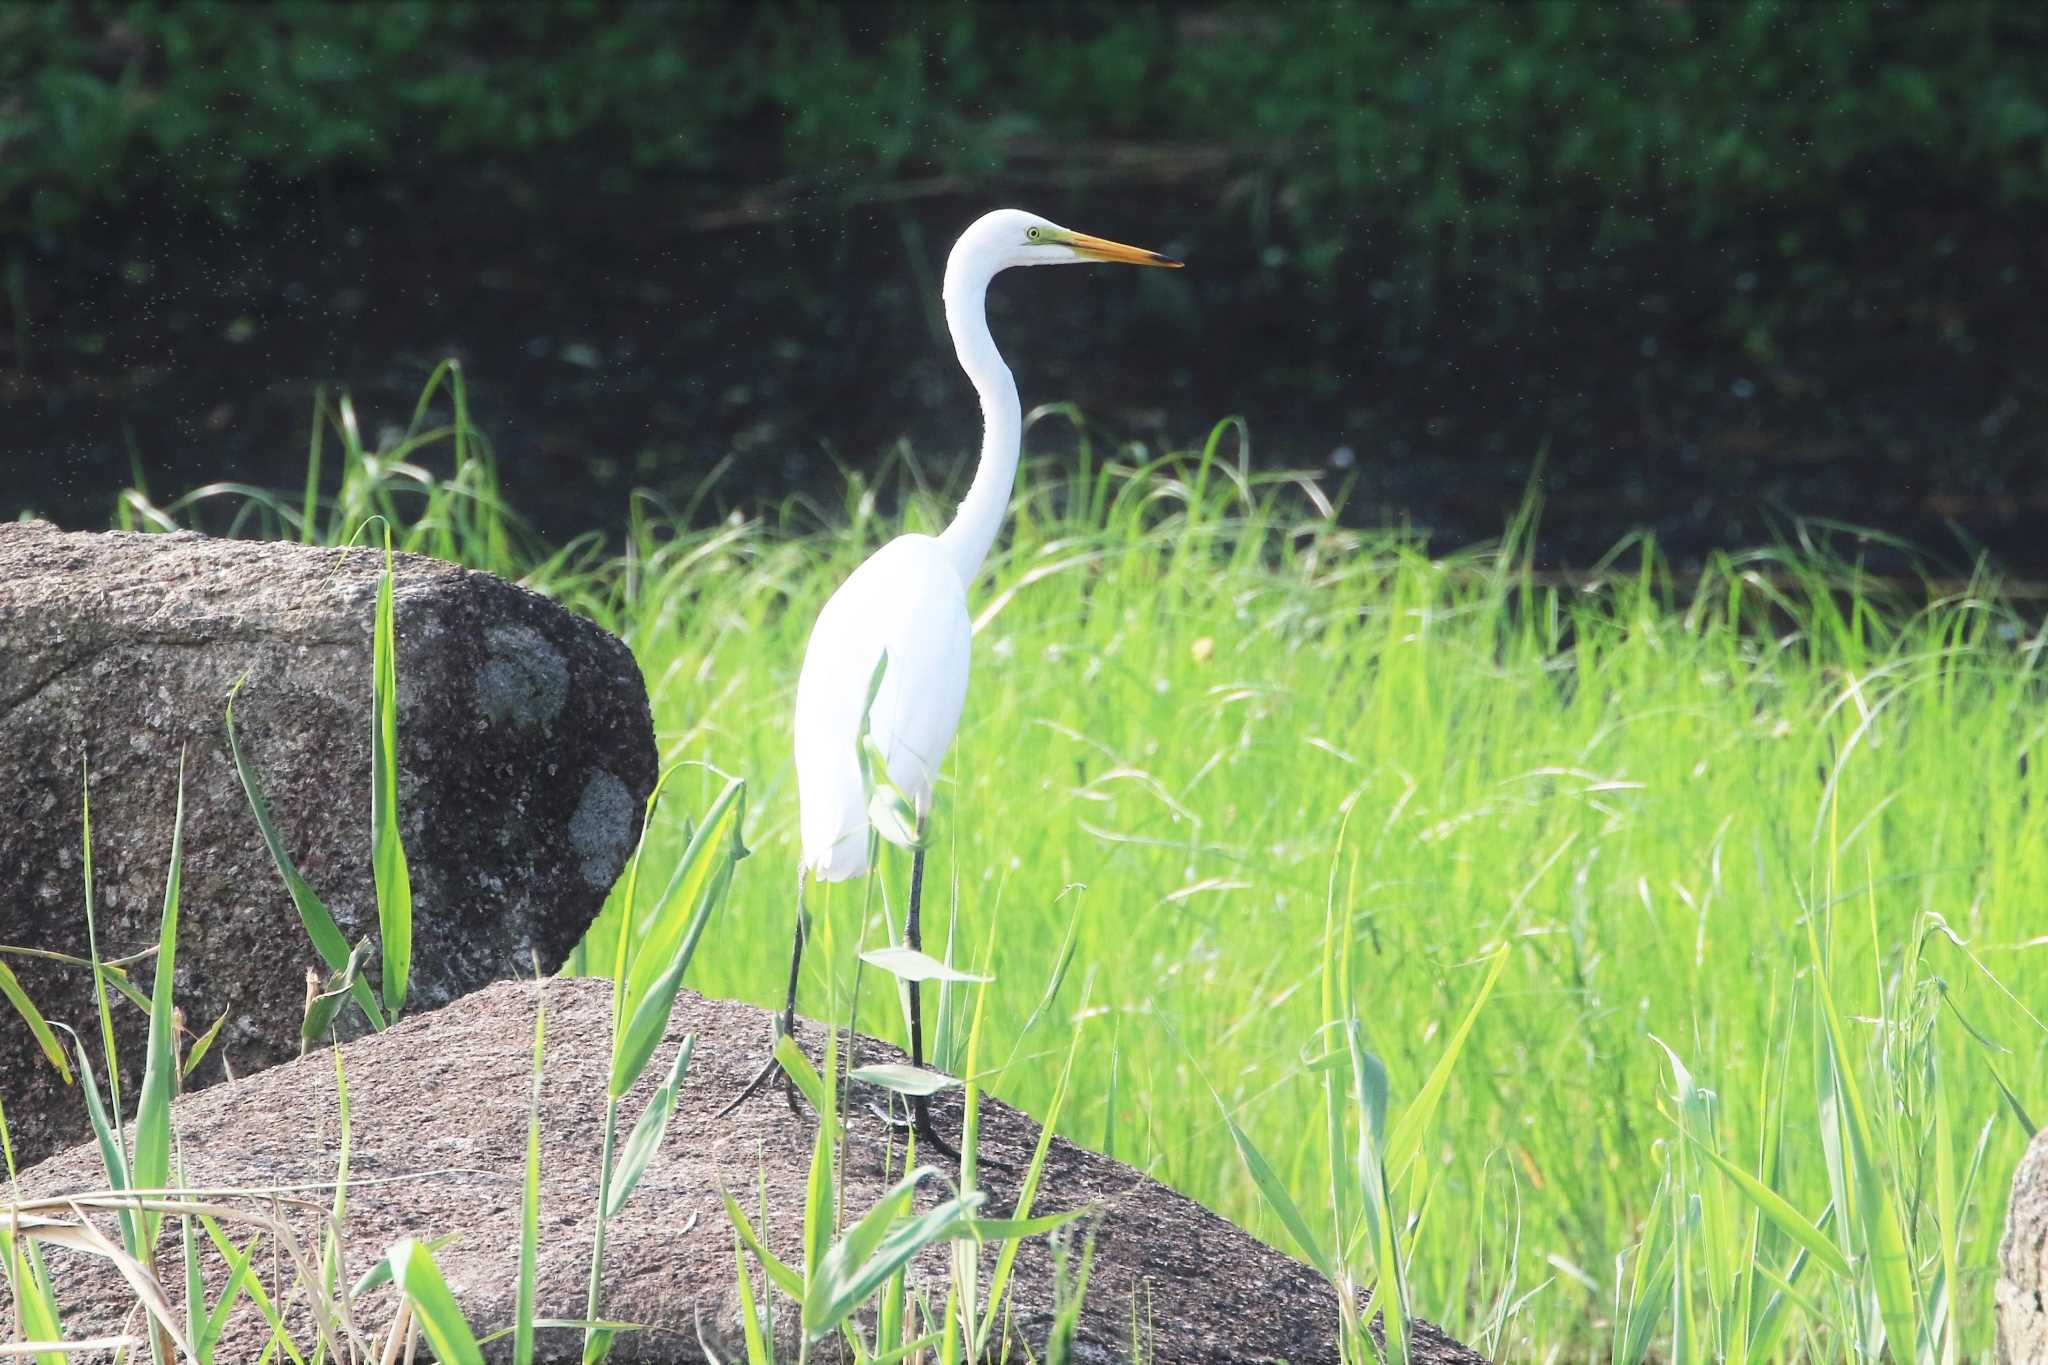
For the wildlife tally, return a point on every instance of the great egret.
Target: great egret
(909, 599)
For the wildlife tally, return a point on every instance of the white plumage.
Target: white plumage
(909, 598)
(906, 598)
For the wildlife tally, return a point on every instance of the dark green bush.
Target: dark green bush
(1456, 121)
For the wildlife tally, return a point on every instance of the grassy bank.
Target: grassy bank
(1764, 853)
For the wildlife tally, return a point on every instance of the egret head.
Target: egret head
(1012, 237)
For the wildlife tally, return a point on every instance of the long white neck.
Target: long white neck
(974, 526)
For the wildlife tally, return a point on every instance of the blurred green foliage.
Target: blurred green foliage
(1454, 122)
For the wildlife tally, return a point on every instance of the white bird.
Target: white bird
(909, 599)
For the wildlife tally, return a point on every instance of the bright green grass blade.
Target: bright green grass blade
(28, 1280)
(238, 1260)
(1649, 1282)
(35, 1299)
(2012, 1102)
(1027, 1193)
(204, 1044)
(1774, 1206)
(656, 973)
(523, 1307)
(195, 1286)
(1013, 1231)
(1390, 1293)
(786, 1279)
(799, 1069)
(645, 1139)
(152, 1168)
(335, 991)
(320, 926)
(1274, 1191)
(38, 1027)
(750, 1314)
(387, 846)
(830, 1274)
(1881, 1230)
(101, 973)
(1406, 1140)
(904, 1240)
(820, 1203)
(252, 1285)
(419, 1279)
(113, 1157)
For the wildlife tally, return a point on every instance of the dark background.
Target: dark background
(1701, 268)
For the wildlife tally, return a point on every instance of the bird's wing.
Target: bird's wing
(906, 598)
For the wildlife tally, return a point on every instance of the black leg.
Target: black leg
(788, 1023)
(914, 936)
(920, 1105)
(796, 957)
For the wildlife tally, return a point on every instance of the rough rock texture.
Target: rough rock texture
(526, 753)
(2022, 1294)
(448, 1093)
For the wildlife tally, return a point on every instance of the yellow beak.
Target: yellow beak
(1101, 249)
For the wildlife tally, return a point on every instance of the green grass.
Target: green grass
(1764, 851)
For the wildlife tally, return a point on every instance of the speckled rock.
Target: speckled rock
(526, 753)
(1202, 1291)
(2022, 1293)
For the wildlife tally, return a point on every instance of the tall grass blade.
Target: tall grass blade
(38, 1027)
(387, 846)
(152, 1168)
(326, 935)
(419, 1279)
(524, 1294)
(645, 1139)
(656, 971)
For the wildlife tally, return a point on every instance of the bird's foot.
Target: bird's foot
(761, 1078)
(920, 1122)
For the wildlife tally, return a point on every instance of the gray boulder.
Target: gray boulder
(439, 1116)
(526, 752)
(2022, 1295)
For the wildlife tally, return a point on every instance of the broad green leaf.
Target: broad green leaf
(792, 1060)
(908, 964)
(1015, 1230)
(840, 1295)
(204, 1044)
(645, 1140)
(844, 1257)
(10, 986)
(786, 1279)
(419, 1279)
(904, 1079)
(320, 926)
(334, 992)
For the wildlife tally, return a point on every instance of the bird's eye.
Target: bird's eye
(1033, 234)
